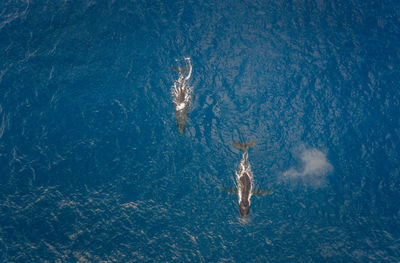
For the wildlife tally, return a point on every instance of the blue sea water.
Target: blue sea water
(93, 169)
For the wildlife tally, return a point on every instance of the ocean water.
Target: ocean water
(92, 166)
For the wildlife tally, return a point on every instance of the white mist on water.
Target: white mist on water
(312, 171)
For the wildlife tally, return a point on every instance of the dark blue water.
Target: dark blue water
(92, 167)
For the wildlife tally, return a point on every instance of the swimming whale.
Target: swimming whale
(182, 95)
(244, 182)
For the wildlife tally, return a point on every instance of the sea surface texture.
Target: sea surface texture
(93, 168)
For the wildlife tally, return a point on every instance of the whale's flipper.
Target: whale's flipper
(243, 146)
(262, 192)
(228, 190)
(181, 70)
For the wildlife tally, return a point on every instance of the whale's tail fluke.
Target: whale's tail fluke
(181, 70)
(243, 146)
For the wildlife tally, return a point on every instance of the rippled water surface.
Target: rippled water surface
(93, 168)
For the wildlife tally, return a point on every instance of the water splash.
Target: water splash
(313, 169)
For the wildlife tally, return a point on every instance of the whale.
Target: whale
(244, 181)
(182, 94)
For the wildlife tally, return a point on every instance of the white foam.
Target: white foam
(180, 86)
(313, 170)
(180, 106)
